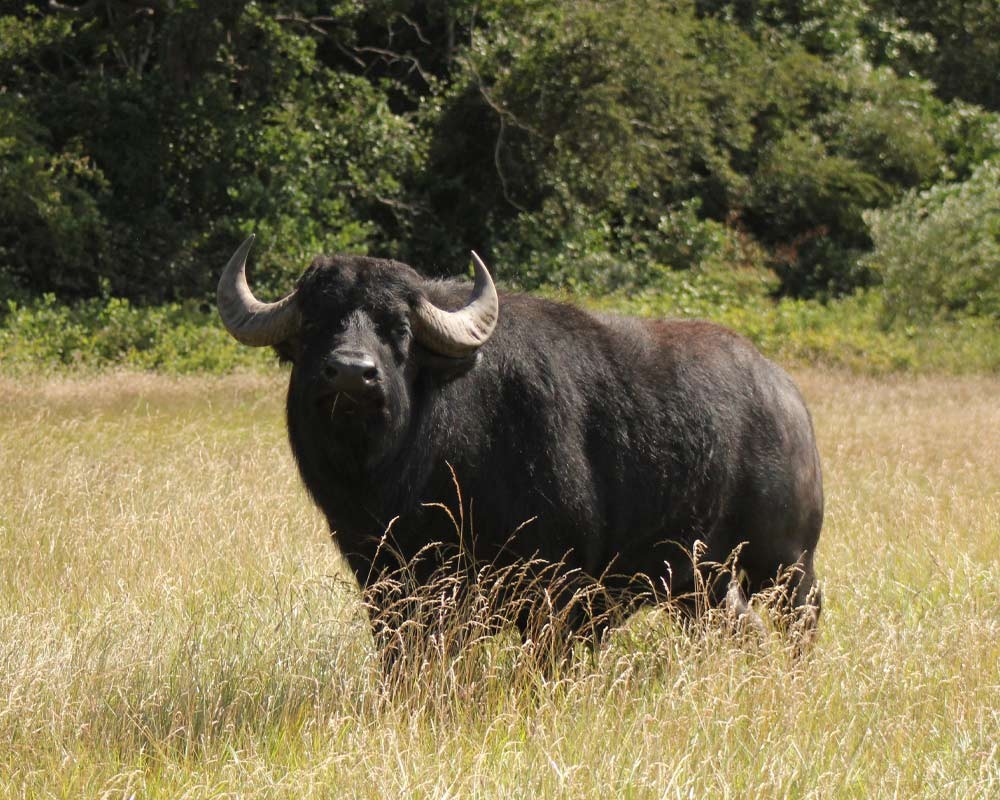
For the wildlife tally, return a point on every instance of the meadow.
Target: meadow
(175, 623)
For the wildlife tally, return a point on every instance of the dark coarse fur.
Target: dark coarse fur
(623, 441)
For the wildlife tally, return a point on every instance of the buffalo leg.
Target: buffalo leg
(742, 618)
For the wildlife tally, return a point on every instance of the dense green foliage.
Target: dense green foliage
(140, 139)
(111, 333)
(939, 250)
(101, 333)
(603, 145)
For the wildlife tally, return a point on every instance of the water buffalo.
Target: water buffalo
(620, 442)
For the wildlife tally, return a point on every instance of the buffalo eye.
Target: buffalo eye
(312, 326)
(396, 329)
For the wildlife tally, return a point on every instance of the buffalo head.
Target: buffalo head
(357, 330)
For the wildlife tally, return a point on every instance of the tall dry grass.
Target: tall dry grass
(175, 623)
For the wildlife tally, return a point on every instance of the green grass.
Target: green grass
(174, 622)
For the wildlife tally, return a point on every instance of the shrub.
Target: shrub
(109, 333)
(49, 205)
(614, 126)
(141, 152)
(139, 142)
(45, 335)
(938, 251)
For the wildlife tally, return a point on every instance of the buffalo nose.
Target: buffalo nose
(351, 371)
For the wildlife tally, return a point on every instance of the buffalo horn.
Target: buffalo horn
(245, 317)
(460, 333)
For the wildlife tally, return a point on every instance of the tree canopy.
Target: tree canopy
(568, 140)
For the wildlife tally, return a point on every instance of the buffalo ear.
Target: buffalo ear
(289, 350)
(444, 366)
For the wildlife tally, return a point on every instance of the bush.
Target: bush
(574, 140)
(106, 333)
(596, 254)
(938, 251)
(140, 153)
(109, 333)
(590, 123)
(610, 127)
(846, 333)
(50, 214)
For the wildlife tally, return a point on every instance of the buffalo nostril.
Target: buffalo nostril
(350, 371)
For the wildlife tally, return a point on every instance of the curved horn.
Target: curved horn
(245, 317)
(460, 333)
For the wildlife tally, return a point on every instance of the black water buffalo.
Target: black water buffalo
(620, 442)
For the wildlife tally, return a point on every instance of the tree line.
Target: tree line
(827, 142)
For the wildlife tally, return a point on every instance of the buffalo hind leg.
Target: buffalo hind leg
(741, 618)
(799, 603)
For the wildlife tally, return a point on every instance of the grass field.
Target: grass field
(174, 623)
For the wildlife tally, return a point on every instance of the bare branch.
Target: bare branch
(506, 117)
(359, 61)
(88, 9)
(147, 6)
(499, 168)
(392, 56)
(315, 25)
(309, 22)
(398, 205)
(416, 29)
(501, 111)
